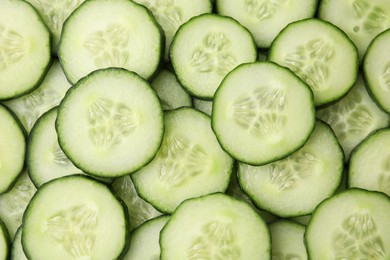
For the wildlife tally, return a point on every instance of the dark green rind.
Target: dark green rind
(7, 239)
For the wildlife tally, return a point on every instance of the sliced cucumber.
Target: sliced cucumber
(45, 159)
(287, 240)
(206, 106)
(320, 54)
(354, 117)
(295, 185)
(144, 243)
(49, 94)
(354, 224)
(24, 49)
(190, 162)
(17, 252)
(304, 220)
(110, 123)
(376, 67)
(12, 149)
(139, 211)
(170, 92)
(171, 14)
(268, 119)
(74, 217)
(264, 18)
(4, 242)
(369, 167)
(215, 227)
(110, 33)
(14, 202)
(208, 47)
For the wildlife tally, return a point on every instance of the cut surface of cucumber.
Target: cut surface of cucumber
(17, 252)
(354, 117)
(74, 217)
(265, 19)
(4, 242)
(369, 167)
(376, 67)
(321, 55)
(124, 35)
(262, 112)
(24, 47)
(30, 107)
(190, 162)
(354, 224)
(110, 123)
(295, 185)
(208, 47)
(216, 226)
(12, 149)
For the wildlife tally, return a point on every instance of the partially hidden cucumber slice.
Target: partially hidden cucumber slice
(215, 227)
(262, 112)
(354, 224)
(24, 49)
(321, 55)
(17, 252)
(206, 106)
(74, 217)
(110, 123)
(124, 35)
(4, 242)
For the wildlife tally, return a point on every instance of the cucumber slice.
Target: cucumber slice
(354, 224)
(215, 227)
(206, 48)
(74, 217)
(12, 149)
(139, 211)
(171, 14)
(265, 19)
(304, 220)
(205, 106)
(321, 55)
(110, 123)
(14, 202)
(354, 117)
(4, 242)
(295, 185)
(369, 167)
(287, 240)
(376, 67)
(17, 252)
(190, 162)
(273, 115)
(45, 159)
(124, 35)
(361, 20)
(24, 47)
(171, 93)
(144, 243)
(49, 94)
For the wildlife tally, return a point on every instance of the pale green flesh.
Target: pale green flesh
(14, 202)
(321, 55)
(215, 227)
(171, 14)
(171, 93)
(17, 252)
(295, 185)
(206, 49)
(144, 243)
(24, 47)
(268, 107)
(30, 107)
(190, 162)
(376, 68)
(370, 163)
(125, 35)
(354, 117)
(74, 218)
(46, 161)
(354, 224)
(139, 210)
(361, 20)
(12, 149)
(287, 240)
(265, 19)
(205, 106)
(110, 123)
(4, 242)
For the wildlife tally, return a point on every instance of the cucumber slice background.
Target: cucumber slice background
(17, 252)
(4, 242)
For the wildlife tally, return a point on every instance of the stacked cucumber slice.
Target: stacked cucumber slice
(191, 130)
